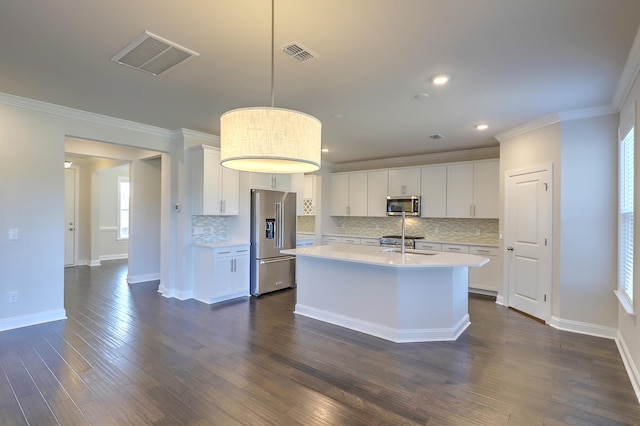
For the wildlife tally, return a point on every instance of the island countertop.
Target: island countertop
(389, 257)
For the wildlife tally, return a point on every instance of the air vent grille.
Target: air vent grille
(153, 54)
(299, 52)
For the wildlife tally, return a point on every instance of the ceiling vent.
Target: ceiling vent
(436, 136)
(153, 54)
(299, 52)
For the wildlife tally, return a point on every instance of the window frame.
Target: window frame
(626, 215)
(120, 235)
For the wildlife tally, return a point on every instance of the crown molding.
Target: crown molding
(197, 136)
(550, 119)
(40, 106)
(541, 122)
(629, 74)
(420, 160)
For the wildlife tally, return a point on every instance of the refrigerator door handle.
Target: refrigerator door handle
(276, 260)
(279, 225)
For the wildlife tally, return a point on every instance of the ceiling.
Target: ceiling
(510, 61)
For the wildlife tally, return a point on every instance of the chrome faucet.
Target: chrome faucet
(403, 217)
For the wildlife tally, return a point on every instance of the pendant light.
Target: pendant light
(269, 139)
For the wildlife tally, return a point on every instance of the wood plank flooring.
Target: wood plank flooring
(128, 356)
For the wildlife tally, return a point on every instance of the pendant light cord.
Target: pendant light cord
(272, 55)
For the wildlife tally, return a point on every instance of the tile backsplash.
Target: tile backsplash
(444, 229)
(306, 224)
(213, 229)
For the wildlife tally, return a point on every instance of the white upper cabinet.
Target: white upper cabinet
(377, 191)
(404, 181)
(472, 189)
(308, 207)
(433, 196)
(216, 188)
(274, 181)
(297, 186)
(486, 183)
(349, 194)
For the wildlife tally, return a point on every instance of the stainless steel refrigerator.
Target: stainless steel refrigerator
(273, 228)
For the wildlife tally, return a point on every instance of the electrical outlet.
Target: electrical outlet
(197, 230)
(477, 231)
(207, 230)
(436, 229)
(13, 297)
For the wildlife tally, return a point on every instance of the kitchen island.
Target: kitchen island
(413, 297)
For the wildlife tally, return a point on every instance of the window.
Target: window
(123, 208)
(625, 222)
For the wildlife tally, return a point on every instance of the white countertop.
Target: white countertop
(426, 240)
(383, 256)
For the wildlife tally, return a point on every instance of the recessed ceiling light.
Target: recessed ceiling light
(325, 150)
(482, 126)
(440, 79)
(436, 136)
(336, 116)
(421, 96)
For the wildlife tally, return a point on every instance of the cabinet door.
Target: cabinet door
(339, 195)
(404, 181)
(209, 161)
(308, 206)
(486, 181)
(358, 194)
(459, 190)
(297, 186)
(223, 270)
(239, 283)
(433, 197)
(230, 190)
(377, 191)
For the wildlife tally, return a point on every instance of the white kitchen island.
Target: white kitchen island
(403, 298)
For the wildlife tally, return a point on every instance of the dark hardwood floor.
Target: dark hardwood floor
(126, 355)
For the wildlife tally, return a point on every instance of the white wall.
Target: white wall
(32, 138)
(144, 239)
(588, 221)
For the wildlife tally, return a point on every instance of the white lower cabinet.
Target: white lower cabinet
(489, 276)
(370, 241)
(221, 273)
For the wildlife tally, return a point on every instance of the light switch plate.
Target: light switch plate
(13, 234)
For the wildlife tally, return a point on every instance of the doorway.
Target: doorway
(97, 158)
(528, 231)
(70, 215)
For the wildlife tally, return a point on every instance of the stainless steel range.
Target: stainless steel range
(396, 241)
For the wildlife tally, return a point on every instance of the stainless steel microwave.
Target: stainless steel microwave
(410, 204)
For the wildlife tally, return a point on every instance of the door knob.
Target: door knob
(510, 248)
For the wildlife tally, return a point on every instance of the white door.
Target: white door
(69, 217)
(528, 241)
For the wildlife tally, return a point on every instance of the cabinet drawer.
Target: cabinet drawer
(369, 242)
(484, 251)
(455, 248)
(349, 240)
(230, 251)
(332, 240)
(422, 245)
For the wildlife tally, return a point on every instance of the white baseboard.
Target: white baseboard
(183, 295)
(142, 278)
(32, 319)
(483, 292)
(387, 333)
(94, 262)
(116, 256)
(584, 328)
(500, 300)
(629, 365)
